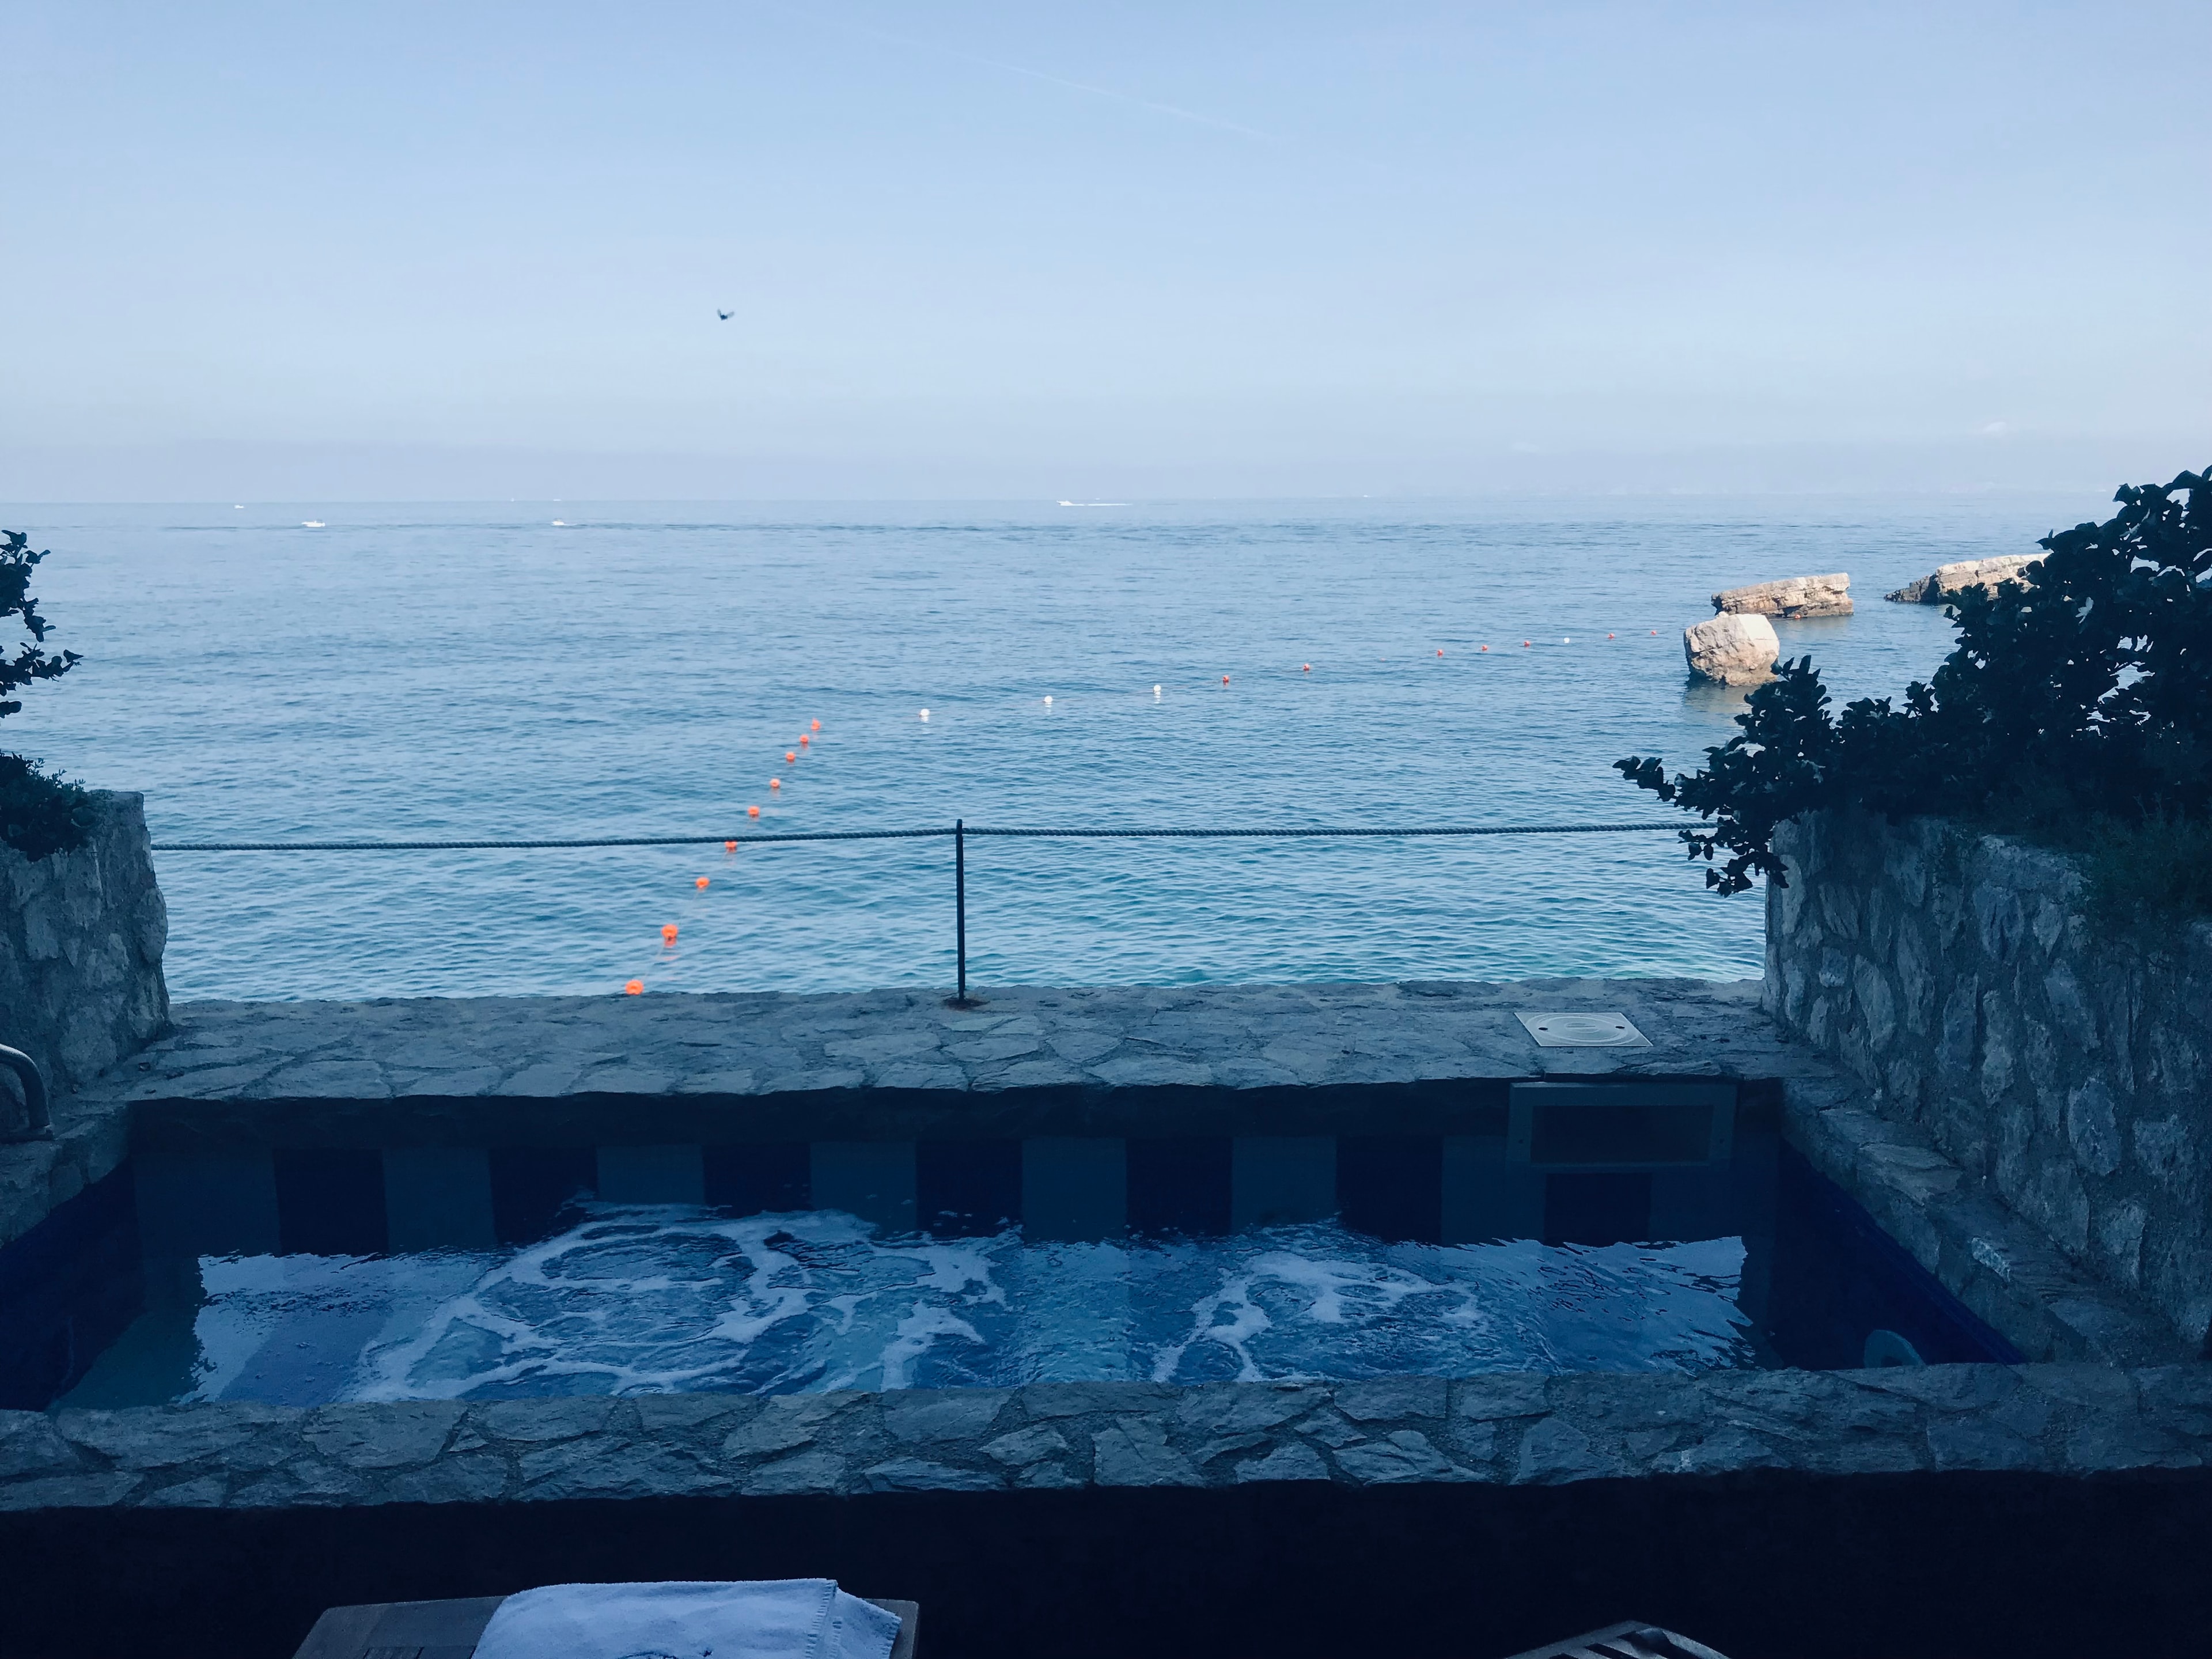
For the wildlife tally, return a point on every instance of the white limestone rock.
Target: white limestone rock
(1950, 580)
(1792, 597)
(1732, 648)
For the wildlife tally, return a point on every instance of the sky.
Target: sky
(437, 251)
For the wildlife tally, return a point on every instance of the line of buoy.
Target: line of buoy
(699, 883)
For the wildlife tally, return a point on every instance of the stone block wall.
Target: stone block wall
(81, 940)
(1952, 973)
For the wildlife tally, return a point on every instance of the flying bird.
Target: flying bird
(725, 315)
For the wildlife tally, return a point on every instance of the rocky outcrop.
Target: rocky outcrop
(81, 940)
(1951, 973)
(1795, 596)
(1732, 648)
(1949, 580)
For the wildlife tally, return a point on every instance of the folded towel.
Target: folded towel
(787, 1619)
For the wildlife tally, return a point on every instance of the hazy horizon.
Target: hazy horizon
(996, 253)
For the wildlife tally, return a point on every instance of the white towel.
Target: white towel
(787, 1619)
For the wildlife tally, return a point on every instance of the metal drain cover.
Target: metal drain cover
(1583, 1031)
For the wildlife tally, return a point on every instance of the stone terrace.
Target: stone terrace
(1191, 1060)
(1927, 1513)
(1464, 1515)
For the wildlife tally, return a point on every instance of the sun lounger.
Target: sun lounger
(1629, 1641)
(449, 1630)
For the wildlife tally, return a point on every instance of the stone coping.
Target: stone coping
(230, 1067)
(756, 1044)
(1041, 1060)
(2006, 1271)
(2076, 1421)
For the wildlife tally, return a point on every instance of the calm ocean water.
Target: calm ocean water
(479, 671)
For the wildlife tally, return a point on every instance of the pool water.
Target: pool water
(1775, 1267)
(661, 1298)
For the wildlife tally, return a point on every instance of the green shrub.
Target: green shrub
(2139, 875)
(2076, 708)
(40, 814)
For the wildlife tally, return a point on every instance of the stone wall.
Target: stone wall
(1953, 975)
(1968, 1510)
(80, 941)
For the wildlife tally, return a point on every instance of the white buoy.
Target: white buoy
(1048, 703)
(1156, 694)
(1566, 641)
(925, 714)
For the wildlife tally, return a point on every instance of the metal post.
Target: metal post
(960, 906)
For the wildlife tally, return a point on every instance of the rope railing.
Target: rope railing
(959, 831)
(1050, 833)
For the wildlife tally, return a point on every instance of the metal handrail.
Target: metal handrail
(40, 1124)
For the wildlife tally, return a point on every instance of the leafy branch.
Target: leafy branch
(40, 813)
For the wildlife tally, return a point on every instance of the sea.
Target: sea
(551, 670)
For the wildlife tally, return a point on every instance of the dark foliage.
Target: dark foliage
(38, 814)
(2077, 701)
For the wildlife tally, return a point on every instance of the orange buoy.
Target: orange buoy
(668, 933)
(752, 812)
(1440, 651)
(702, 882)
(1308, 668)
(729, 846)
(635, 989)
(817, 726)
(1224, 679)
(1485, 647)
(1655, 633)
(1608, 636)
(789, 756)
(775, 783)
(1524, 645)
(804, 739)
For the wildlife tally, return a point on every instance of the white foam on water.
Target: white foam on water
(670, 1298)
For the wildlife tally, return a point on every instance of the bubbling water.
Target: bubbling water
(663, 1299)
